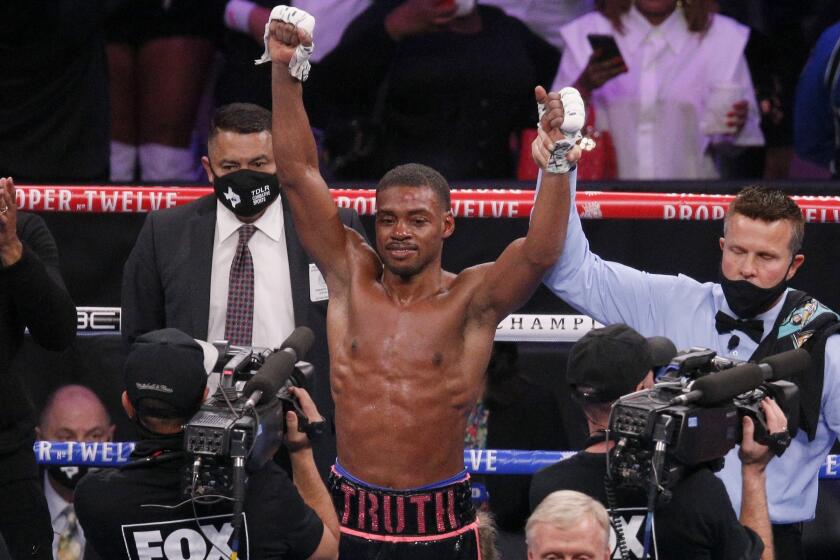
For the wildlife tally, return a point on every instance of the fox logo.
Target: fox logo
(208, 538)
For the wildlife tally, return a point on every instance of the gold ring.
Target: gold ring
(4, 210)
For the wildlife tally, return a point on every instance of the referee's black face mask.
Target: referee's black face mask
(245, 192)
(748, 300)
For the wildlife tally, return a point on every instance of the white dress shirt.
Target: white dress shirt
(274, 318)
(56, 505)
(684, 310)
(654, 111)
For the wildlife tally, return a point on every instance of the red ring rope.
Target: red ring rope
(466, 203)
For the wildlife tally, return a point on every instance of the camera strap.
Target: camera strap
(154, 451)
(617, 524)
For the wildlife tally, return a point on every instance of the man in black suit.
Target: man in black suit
(189, 263)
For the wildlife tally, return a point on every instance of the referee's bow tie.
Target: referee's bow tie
(753, 328)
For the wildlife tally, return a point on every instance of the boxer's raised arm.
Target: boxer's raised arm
(315, 214)
(510, 281)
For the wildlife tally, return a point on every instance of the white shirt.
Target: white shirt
(654, 110)
(56, 505)
(274, 318)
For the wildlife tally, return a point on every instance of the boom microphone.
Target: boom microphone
(298, 343)
(278, 367)
(722, 386)
(785, 365)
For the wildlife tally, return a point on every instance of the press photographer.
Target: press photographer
(148, 507)
(698, 521)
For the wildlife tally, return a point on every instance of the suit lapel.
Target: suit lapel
(298, 269)
(202, 230)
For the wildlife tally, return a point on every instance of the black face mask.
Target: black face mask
(246, 193)
(748, 300)
(67, 476)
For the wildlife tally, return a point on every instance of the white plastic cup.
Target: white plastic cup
(722, 96)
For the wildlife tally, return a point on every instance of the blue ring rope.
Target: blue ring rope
(477, 461)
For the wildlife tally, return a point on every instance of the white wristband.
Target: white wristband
(237, 15)
(299, 65)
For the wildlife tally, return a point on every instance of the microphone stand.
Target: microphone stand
(239, 450)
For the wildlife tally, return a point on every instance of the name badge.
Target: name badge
(317, 285)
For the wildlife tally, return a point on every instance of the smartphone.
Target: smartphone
(606, 45)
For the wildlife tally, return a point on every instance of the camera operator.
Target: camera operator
(699, 521)
(140, 510)
(749, 314)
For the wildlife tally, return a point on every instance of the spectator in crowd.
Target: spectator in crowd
(749, 314)
(240, 80)
(817, 117)
(422, 91)
(680, 90)
(165, 384)
(568, 524)
(159, 57)
(54, 109)
(698, 521)
(72, 413)
(230, 266)
(775, 53)
(32, 296)
(782, 35)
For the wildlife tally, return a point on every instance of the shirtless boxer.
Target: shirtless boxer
(409, 342)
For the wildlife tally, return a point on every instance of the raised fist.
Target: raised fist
(288, 40)
(283, 41)
(561, 117)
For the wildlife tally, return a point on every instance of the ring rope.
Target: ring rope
(476, 461)
(466, 203)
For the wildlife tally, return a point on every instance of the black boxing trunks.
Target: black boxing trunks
(434, 522)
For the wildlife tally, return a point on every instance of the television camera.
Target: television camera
(242, 425)
(692, 416)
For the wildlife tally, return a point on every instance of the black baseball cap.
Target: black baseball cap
(168, 366)
(609, 362)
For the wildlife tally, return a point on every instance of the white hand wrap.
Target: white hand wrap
(299, 65)
(573, 119)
